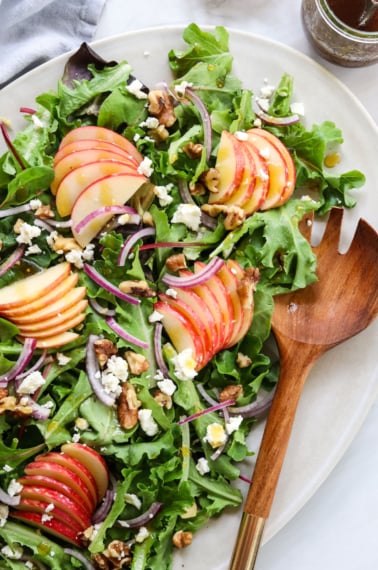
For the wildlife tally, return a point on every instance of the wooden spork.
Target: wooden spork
(306, 323)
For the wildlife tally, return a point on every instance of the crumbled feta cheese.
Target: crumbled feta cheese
(50, 507)
(257, 123)
(180, 88)
(241, 135)
(264, 104)
(135, 88)
(14, 487)
(147, 422)
(136, 137)
(146, 53)
(185, 365)
(162, 193)
(76, 437)
(265, 152)
(150, 123)
(132, 499)
(155, 317)
(31, 383)
(119, 367)
(29, 564)
(215, 435)
(171, 293)
(267, 91)
(7, 468)
(4, 512)
(62, 359)
(188, 214)
(75, 257)
(33, 250)
(145, 167)
(37, 121)
(202, 466)
(143, 533)
(298, 108)
(88, 252)
(51, 239)
(35, 204)
(14, 553)
(111, 383)
(45, 517)
(167, 386)
(233, 424)
(27, 232)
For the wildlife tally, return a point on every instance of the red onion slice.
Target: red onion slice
(100, 309)
(206, 121)
(142, 519)
(22, 361)
(101, 512)
(276, 121)
(36, 366)
(10, 145)
(9, 500)
(125, 334)
(215, 408)
(130, 242)
(12, 260)
(254, 409)
(106, 210)
(80, 557)
(94, 373)
(15, 210)
(158, 350)
(105, 284)
(197, 278)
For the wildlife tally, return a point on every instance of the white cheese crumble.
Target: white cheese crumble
(265, 152)
(135, 88)
(27, 232)
(147, 422)
(297, 108)
(37, 122)
(180, 88)
(14, 553)
(267, 91)
(111, 383)
(155, 317)
(202, 466)
(7, 468)
(150, 123)
(50, 507)
(45, 517)
(145, 167)
(132, 499)
(14, 487)
(143, 533)
(171, 293)
(167, 386)
(62, 359)
(77, 256)
(233, 424)
(33, 250)
(35, 204)
(241, 135)
(188, 214)
(162, 193)
(119, 367)
(185, 365)
(31, 383)
(215, 435)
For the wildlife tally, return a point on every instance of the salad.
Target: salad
(144, 233)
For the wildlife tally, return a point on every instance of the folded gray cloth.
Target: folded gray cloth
(34, 31)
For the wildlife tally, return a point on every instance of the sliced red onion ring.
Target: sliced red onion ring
(101, 512)
(27, 110)
(12, 259)
(171, 244)
(79, 556)
(142, 519)
(44, 224)
(100, 309)
(276, 121)
(10, 500)
(105, 284)
(60, 223)
(15, 210)
(38, 412)
(197, 278)
(158, 350)
(215, 408)
(186, 197)
(94, 373)
(130, 242)
(206, 396)
(218, 452)
(125, 334)
(206, 121)
(254, 409)
(22, 361)
(10, 145)
(36, 366)
(106, 210)
(245, 479)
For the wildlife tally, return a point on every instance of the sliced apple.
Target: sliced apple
(59, 321)
(51, 474)
(58, 307)
(277, 169)
(54, 341)
(247, 281)
(244, 190)
(230, 165)
(93, 461)
(74, 465)
(79, 158)
(40, 303)
(78, 179)
(208, 297)
(104, 134)
(33, 287)
(56, 527)
(109, 191)
(90, 144)
(230, 281)
(57, 329)
(258, 195)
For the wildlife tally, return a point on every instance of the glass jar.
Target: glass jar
(334, 39)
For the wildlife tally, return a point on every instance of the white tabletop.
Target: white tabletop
(337, 529)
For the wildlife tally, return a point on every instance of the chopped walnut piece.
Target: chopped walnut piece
(161, 106)
(128, 405)
(104, 349)
(14, 406)
(164, 400)
(159, 134)
(243, 360)
(235, 216)
(210, 178)
(118, 553)
(138, 288)
(232, 392)
(44, 211)
(101, 562)
(193, 150)
(3, 393)
(182, 538)
(18, 225)
(64, 245)
(198, 189)
(138, 363)
(176, 262)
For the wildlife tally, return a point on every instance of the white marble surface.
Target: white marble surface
(337, 529)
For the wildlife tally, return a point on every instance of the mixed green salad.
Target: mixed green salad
(166, 471)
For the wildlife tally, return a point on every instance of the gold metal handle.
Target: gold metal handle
(247, 542)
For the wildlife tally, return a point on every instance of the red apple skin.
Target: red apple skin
(230, 281)
(208, 297)
(74, 465)
(54, 526)
(30, 505)
(54, 330)
(230, 164)
(93, 461)
(246, 288)
(244, 190)
(91, 144)
(62, 474)
(61, 502)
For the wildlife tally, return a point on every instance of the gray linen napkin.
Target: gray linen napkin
(34, 31)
